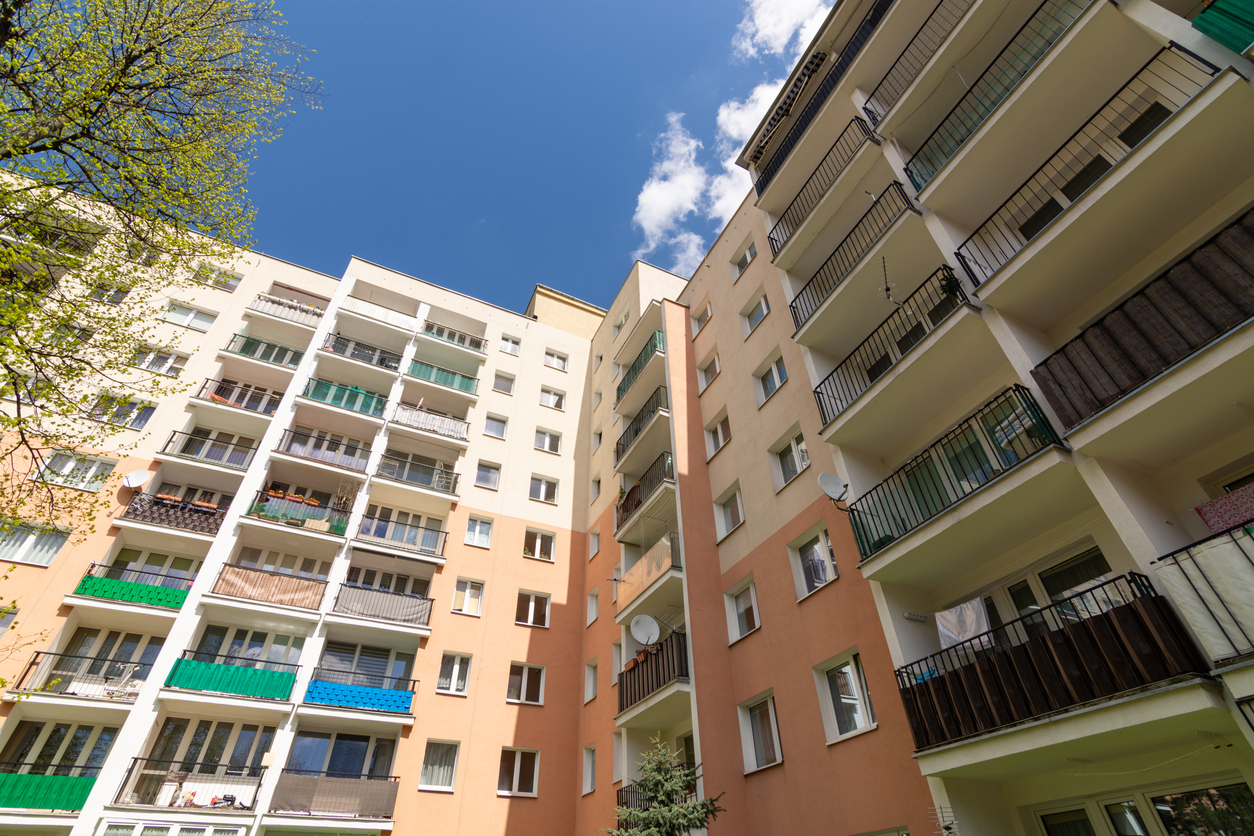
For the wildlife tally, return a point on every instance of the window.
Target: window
(729, 514)
(398, 584)
(589, 769)
(699, 321)
(552, 398)
(742, 611)
(494, 426)
(596, 399)
(617, 576)
(347, 663)
(543, 490)
(742, 262)
(755, 313)
(533, 609)
(616, 661)
(503, 383)
(589, 681)
(596, 362)
(815, 564)
(454, 675)
(772, 378)
(617, 766)
(217, 277)
(538, 544)
(518, 772)
(850, 700)
(189, 317)
(792, 458)
(594, 598)
(618, 325)
(596, 487)
(718, 435)
(526, 684)
(439, 766)
(467, 597)
(160, 361)
(488, 476)
(32, 543)
(478, 532)
(596, 441)
(594, 543)
(154, 568)
(69, 470)
(708, 372)
(760, 734)
(617, 370)
(122, 411)
(555, 361)
(511, 345)
(548, 441)
(109, 294)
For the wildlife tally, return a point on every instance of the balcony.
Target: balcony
(82, 676)
(443, 377)
(459, 338)
(432, 422)
(415, 473)
(1131, 116)
(1230, 22)
(265, 352)
(353, 689)
(659, 473)
(1110, 639)
(1204, 296)
(334, 795)
(270, 587)
(1029, 45)
(236, 675)
(321, 448)
(667, 662)
(239, 395)
(656, 562)
(409, 538)
(372, 310)
(135, 586)
(351, 398)
(298, 512)
(656, 403)
(656, 344)
(385, 606)
(206, 786)
(289, 309)
(914, 57)
(1003, 433)
(634, 797)
(203, 448)
(42, 786)
(363, 352)
(173, 512)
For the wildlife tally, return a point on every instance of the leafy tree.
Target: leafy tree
(666, 803)
(126, 127)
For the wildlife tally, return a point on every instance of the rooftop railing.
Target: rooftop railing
(345, 397)
(172, 512)
(136, 586)
(211, 786)
(240, 395)
(914, 57)
(412, 538)
(659, 473)
(656, 344)
(432, 422)
(450, 335)
(387, 606)
(443, 377)
(266, 352)
(83, 676)
(416, 473)
(363, 352)
(321, 447)
(335, 794)
(298, 512)
(289, 309)
(655, 404)
(206, 449)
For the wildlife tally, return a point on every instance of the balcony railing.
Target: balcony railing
(888, 207)
(666, 663)
(855, 135)
(659, 473)
(289, 309)
(387, 606)
(202, 517)
(449, 335)
(266, 352)
(1162, 87)
(45, 786)
(409, 322)
(1003, 433)
(335, 795)
(1029, 45)
(211, 786)
(432, 422)
(416, 473)
(663, 556)
(363, 352)
(914, 57)
(83, 676)
(921, 313)
(1203, 296)
(136, 586)
(270, 587)
(839, 67)
(1114, 637)
(1210, 582)
(240, 396)
(411, 538)
(443, 377)
(298, 512)
(656, 344)
(238, 675)
(350, 455)
(655, 404)
(1230, 22)
(345, 397)
(354, 689)
(634, 797)
(203, 448)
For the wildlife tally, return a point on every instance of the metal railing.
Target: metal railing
(298, 511)
(829, 169)
(415, 473)
(413, 538)
(921, 313)
(656, 344)
(203, 518)
(207, 449)
(320, 447)
(45, 786)
(1163, 86)
(205, 785)
(83, 676)
(663, 556)
(1001, 434)
(387, 606)
(272, 587)
(450, 335)
(917, 53)
(408, 322)
(335, 794)
(443, 377)
(660, 472)
(345, 397)
(364, 680)
(1041, 31)
(140, 586)
(423, 419)
(888, 207)
(289, 309)
(634, 797)
(363, 352)
(834, 74)
(666, 662)
(239, 395)
(266, 352)
(655, 404)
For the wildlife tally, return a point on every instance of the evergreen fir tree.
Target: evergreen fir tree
(667, 792)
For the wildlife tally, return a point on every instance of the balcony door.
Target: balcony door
(367, 666)
(221, 447)
(404, 527)
(387, 581)
(65, 749)
(417, 469)
(154, 568)
(184, 769)
(341, 755)
(249, 648)
(100, 663)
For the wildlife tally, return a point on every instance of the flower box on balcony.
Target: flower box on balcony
(315, 503)
(208, 506)
(276, 494)
(629, 665)
(165, 497)
(296, 523)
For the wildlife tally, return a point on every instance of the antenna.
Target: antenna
(886, 292)
(645, 630)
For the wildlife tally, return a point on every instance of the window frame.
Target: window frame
(589, 681)
(457, 756)
(558, 398)
(772, 370)
(532, 597)
(746, 712)
(470, 584)
(724, 527)
(702, 318)
(589, 782)
(820, 537)
(550, 436)
(488, 468)
(717, 435)
(458, 660)
(73, 461)
(734, 633)
(795, 445)
(33, 534)
(140, 411)
(537, 547)
(504, 422)
(527, 672)
(507, 342)
(535, 774)
(751, 251)
(499, 377)
(191, 317)
(546, 484)
(593, 606)
(170, 368)
(866, 706)
(762, 304)
(561, 362)
(704, 378)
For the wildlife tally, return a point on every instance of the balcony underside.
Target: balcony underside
(663, 709)
(647, 446)
(449, 355)
(658, 513)
(664, 595)
(646, 383)
(399, 493)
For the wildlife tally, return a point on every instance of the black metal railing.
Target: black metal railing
(855, 135)
(634, 797)
(921, 313)
(364, 680)
(1163, 86)
(660, 472)
(238, 660)
(416, 473)
(321, 447)
(210, 450)
(655, 404)
(206, 785)
(888, 207)
(917, 53)
(307, 792)
(451, 335)
(399, 535)
(654, 345)
(382, 604)
(1041, 31)
(240, 395)
(1001, 434)
(834, 74)
(83, 676)
(172, 512)
(363, 352)
(266, 352)
(664, 663)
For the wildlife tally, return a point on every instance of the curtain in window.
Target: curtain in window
(763, 736)
(437, 765)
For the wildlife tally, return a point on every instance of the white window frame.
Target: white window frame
(589, 681)
(594, 604)
(596, 362)
(193, 318)
(32, 534)
(528, 671)
(730, 498)
(794, 444)
(552, 399)
(776, 373)
(743, 260)
(717, 435)
(475, 532)
(831, 724)
(813, 546)
(171, 366)
(702, 318)
(546, 485)
(504, 422)
(219, 278)
(596, 488)
(460, 660)
(556, 360)
(746, 711)
(617, 755)
(501, 377)
(550, 438)
(457, 756)
(589, 769)
(67, 469)
(533, 541)
(596, 399)
(469, 585)
(487, 468)
(704, 376)
(594, 543)
(511, 345)
(734, 632)
(532, 597)
(616, 661)
(134, 418)
(535, 776)
(596, 440)
(760, 306)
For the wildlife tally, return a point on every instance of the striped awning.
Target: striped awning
(785, 105)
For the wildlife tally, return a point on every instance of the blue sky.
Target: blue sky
(491, 146)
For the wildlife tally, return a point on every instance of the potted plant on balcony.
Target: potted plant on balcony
(165, 497)
(277, 494)
(630, 664)
(309, 500)
(208, 506)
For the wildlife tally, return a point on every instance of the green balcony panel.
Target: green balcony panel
(231, 679)
(44, 792)
(135, 593)
(1231, 22)
(443, 377)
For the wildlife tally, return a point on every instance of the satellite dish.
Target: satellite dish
(136, 478)
(835, 489)
(644, 629)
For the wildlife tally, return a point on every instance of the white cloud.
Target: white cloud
(772, 26)
(688, 248)
(738, 119)
(674, 188)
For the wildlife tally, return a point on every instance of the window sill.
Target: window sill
(764, 768)
(554, 368)
(548, 560)
(550, 452)
(815, 590)
(510, 353)
(590, 699)
(68, 487)
(469, 614)
(716, 452)
(767, 398)
(749, 333)
(525, 624)
(701, 389)
(793, 479)
(497, 437)
(554, 408)
(522, 702)
(552, 502)
(487, 487)
(502, 392)
(476, 545)
(743, 637)
(451, 694)
(502, 794)
(842, 738)
(447, 790)
(731, 532)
